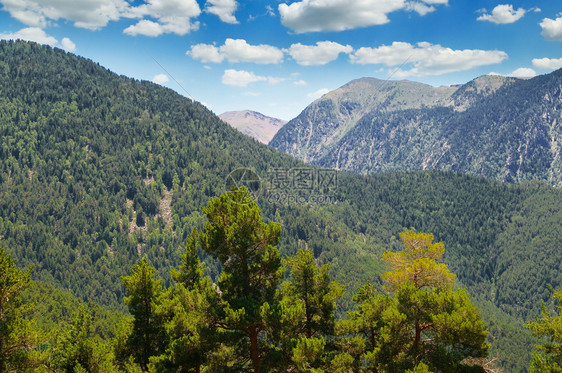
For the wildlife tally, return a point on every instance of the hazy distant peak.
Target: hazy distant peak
(254, 124)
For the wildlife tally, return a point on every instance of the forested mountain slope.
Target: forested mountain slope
(98, 169)
(502, 128)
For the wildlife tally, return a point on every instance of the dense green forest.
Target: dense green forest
(263, 313)
(99, 170)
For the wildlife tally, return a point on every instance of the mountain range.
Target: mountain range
(503, 128)
(254, 124)
(98, 170)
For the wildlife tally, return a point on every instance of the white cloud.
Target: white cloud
(68, 44)
(269, 11)
(39, 36)
(206, 53)
(224, 9)
(156, 16)
(241, 78)
(317, 94)
(237, 50)
(552, 29)
(319, 54)
(32, 34)
(89, 14)
(503, 14)
(146, 28)
(172, 16)
(300, 83)
(426, 58)
(160, 79)
(420, 8)
(547, 63)
(251, 94)
(523, 72)
(338, 15)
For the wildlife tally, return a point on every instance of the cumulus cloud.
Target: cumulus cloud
(552, 29)
(156, 16)
(32, 34)
(146, 28)
(317, 94)
(237, 50)
(523, 72)
(224, 9)
(503, 14)
(68, 44)
(338, 15)
(89, 14)
(320, 54)
(168, 16)
(426, 58)
(205, 53)
(37, 35)
(547, 63)
(241, 78)
(160, 79)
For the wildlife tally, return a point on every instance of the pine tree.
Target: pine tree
(422, 320)
(147, 336)
(236, 235)
(311, 287)
(76, 349)
(17, 337)
(309, 304)
(417, 263)
(188, 313)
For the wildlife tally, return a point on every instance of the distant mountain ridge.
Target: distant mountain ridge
(254, 124)
(503, 128)
(312, 134)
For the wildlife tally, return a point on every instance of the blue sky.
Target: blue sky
(276, 57)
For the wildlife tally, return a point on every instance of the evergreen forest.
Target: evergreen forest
(121, 242)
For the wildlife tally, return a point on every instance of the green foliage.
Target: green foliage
(17, 337)
(308, 306)
(83, 151)
(147, 336)
(75, 349)
(420, 368)
(54, 308)
(190, 323)
(548, 326)
(246, 247)
(423, 320)
(311, 288)
(417, 263)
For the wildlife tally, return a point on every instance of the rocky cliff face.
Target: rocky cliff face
(503, 128)
(317, 130)
(256, 125)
